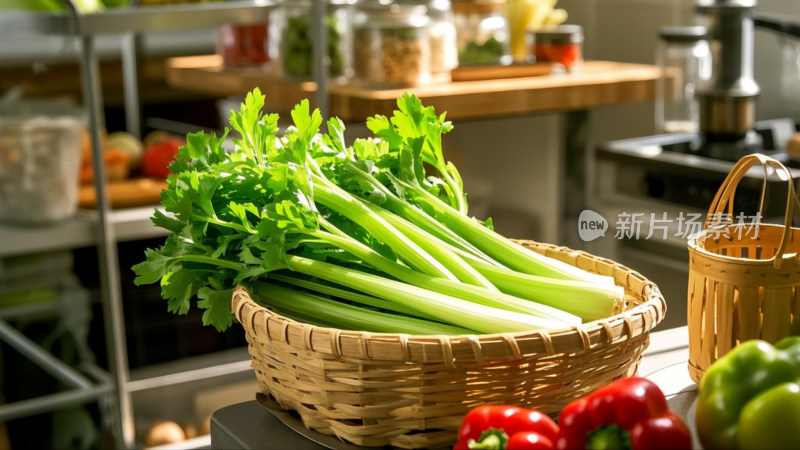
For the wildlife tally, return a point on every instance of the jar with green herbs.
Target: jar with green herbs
(391, 47)
(294, 29)
(482, 32)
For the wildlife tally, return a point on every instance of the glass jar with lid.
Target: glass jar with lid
(442, 36)
(482, 32)
(684, 57)
(561, 45)
(243, 45)
(293, 34)
(390, 45)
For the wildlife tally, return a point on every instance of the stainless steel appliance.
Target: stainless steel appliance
(727, 101)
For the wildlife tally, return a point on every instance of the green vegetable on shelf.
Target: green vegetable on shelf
(490, 51)
(297, 48)
(750, 398)
(372, 236)
(85, 6)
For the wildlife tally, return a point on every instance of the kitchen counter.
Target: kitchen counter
(251, 425)
(598, 83)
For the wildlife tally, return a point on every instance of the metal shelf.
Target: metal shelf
(19, 24)
(129, 225)
(187, 370)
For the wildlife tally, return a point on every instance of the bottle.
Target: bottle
(482, 32)
(684, 57)
(391, 44)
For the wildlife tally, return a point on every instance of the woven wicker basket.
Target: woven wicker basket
(743, 279)
(376, 389)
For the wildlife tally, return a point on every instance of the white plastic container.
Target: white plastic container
(40, 158)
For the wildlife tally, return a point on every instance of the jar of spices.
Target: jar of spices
(560, 45)
(391, 46)
(482, 32)
(243, 45)
(294, 34)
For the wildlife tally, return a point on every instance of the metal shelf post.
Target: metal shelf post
(130, 21)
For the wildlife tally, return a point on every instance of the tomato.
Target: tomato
(158, 157)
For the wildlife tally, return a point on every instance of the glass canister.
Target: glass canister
(295, 44)
(482, 32)
(561, 45)
(391, 44)
(684, 58)
(243, 45)
(790, 73)
(442, 36)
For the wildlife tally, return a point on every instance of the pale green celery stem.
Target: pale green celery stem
(231, 225)
(502, 249)
(346, 294)
(589, 301)
(212, 261)
(351, 207)
(444, 308)
(346, 316)
(421, 219)
(441, 166)
(417, 216)
(474, 294)
(440, 250)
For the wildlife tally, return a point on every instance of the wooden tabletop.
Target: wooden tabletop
(598, 83)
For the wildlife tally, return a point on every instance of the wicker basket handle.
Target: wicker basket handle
(727, 191)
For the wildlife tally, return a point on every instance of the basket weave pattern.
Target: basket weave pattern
(377, 389)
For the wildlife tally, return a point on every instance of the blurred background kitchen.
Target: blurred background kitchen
(65, 284)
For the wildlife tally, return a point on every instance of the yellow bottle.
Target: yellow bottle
(524, 15)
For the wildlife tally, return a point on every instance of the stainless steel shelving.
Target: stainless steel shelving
(134, 19)
(129, 224)
(105, 227)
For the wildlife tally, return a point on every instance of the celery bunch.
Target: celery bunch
(373, 235)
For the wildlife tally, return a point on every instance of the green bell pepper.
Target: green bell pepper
(750, 398)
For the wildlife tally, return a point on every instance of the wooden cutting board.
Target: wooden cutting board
(474, 73)
(125, 194)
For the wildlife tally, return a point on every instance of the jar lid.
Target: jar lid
(478, 6)
(384, 12)
(307, 3)
(558, 34)
(683, 34)
(435, 5)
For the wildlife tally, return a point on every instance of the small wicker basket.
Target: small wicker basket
(743, 277)
(376, 389)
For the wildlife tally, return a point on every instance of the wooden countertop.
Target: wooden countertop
(599, 83)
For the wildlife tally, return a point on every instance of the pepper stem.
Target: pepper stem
(609, 437)
(491, 439)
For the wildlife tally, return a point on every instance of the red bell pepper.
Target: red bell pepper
(498, 427)
(630, 413)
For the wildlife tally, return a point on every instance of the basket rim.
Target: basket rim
(696, 245)
(349, 344)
